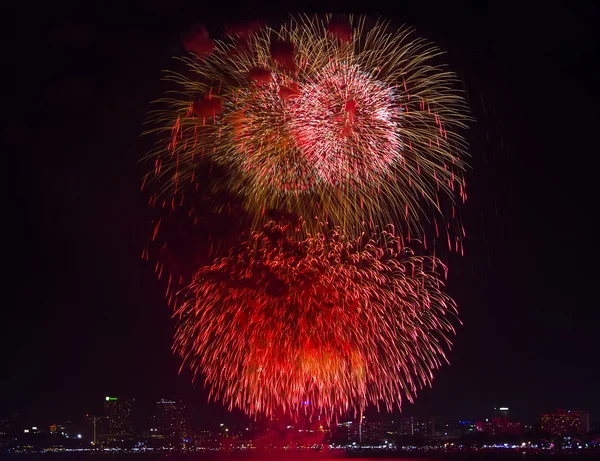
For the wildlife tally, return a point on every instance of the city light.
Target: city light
(302, 180)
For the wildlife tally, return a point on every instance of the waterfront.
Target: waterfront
(470, 455)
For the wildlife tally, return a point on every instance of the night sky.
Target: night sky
(87, 316)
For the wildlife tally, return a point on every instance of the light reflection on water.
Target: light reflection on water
(508, 455)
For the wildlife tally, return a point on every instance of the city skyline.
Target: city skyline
(172, 415)
(89, 318)
(168, 428)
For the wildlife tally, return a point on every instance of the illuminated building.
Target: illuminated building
(467, 427)
(171, 420)
(452, 429)
(360, 431)
(58, 429)
(117, 424)
(370, 431)
(566, 422)
(499, 426)
(414, 426)
(501, 412)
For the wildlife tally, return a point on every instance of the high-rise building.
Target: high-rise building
(499, 426)
(371, 431)
(566, 422)
(414, 426)
(362, 431)
(451, 429)
(171, 420)
(501, 412)
(117, 423)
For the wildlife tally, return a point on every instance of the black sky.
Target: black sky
(88, 317)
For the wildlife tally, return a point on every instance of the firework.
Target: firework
(335, 321)
(345, 123)
(348, 122)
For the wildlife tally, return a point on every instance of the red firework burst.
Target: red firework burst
(346, 123)
(341, 323)
(261, 130)
(345, 120)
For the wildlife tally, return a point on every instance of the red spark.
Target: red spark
(347, 124)
(339, 322)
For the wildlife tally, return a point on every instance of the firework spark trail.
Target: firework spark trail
(353, 124)
(346, 123)
(336, 321)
